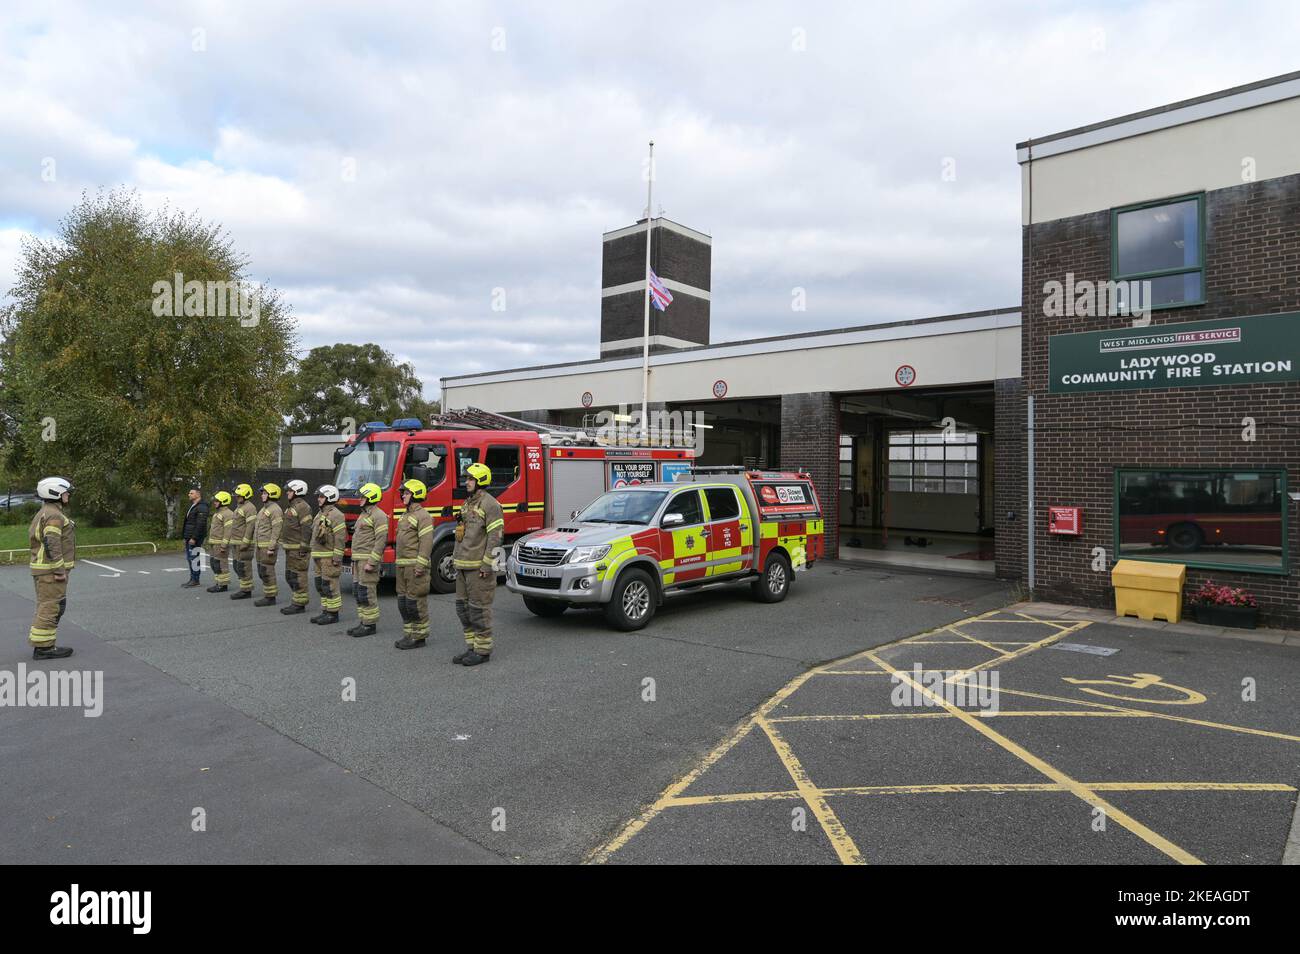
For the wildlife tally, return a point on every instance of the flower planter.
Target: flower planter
(1238, 617)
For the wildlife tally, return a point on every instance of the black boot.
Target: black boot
(51, 652)
(292, 609)
(217, 588)
(460, 657)
(362, 629)
(406, 642)
(242, 595)
(325, 618)
(265, 601)
(474, 658)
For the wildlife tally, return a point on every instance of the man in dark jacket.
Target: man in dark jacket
(193, 532)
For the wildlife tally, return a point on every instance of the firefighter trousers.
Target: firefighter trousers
(474, 595)
(295, 575)
(221, 565)
(365, 587)
(242, 561)
(266, 573)
(327, 585)
(413, 602)
(51, 601)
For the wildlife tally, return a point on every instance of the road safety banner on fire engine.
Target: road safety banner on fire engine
(1251, 350)
(629, 473)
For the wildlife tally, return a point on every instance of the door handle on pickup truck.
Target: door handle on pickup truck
(706, 533)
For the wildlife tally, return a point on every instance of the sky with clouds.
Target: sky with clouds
(388, 166)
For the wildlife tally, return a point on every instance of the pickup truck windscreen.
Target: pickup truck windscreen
(623, 506)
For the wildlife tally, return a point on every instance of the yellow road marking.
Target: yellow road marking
(1169, 717)
(1081, 791)
(1042, 713)
(689, 801)
(844, 847)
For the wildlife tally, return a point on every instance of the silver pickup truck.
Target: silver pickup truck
(632, 547)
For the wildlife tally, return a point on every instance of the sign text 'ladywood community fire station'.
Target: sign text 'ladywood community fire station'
(1259, 349)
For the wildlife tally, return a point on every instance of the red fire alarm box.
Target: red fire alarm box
(1065, 520)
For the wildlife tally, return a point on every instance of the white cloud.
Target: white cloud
(476, 169)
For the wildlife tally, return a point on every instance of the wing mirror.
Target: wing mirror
(672, 520)
(573, 514)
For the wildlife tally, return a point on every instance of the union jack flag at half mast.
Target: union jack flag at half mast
(660, 296)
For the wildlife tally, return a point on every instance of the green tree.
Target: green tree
(110, 376)
(362, 382)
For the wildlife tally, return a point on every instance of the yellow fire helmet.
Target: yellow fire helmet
(416, 488)
(370, 493)
(272, 491)
(222, 498)
(245, 491)
(482, 476)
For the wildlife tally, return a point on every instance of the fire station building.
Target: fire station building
(1143, 401)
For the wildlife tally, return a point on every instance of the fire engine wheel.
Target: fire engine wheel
(546, 608)
(774, 584)
(632, 603)
(444, 576)
(1184, 537)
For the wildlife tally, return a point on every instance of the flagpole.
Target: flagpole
(645, 338)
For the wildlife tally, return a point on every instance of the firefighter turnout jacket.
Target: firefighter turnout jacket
(329, 534)
(219, 527)
(241, 525)
(53, 539)
(295, 534)
(369, 536)
(266, 532)
(479, 532)
(414, 537)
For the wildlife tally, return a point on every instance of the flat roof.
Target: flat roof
(998, 317)
(1234, 99)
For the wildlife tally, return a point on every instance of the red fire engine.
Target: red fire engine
(540, 474)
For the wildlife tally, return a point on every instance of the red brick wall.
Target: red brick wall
(810, 439)
(1252, 267)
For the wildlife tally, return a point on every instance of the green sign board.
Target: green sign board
(1261, 349)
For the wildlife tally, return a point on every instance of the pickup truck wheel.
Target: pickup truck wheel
(774, 584)
(444, 571)
(632, 603)
(545, 608)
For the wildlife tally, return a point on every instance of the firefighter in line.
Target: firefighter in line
(329, 536)
(53, 540)
(479, 529)
(219, 541)
(414, 548)
(266, 540)
(295, 537)
(369, 537)
(241, 541)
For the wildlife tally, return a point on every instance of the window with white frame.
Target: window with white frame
(934, 462)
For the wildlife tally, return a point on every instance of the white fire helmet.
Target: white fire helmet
(52, 488)
(297, 487)
(329, 492)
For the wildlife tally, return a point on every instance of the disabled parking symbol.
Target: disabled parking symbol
(1139, 681)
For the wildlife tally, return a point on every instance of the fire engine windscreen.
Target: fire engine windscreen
(368, 463)
(623, 506)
